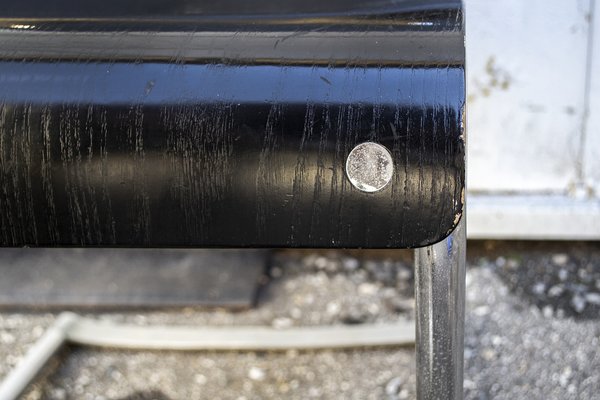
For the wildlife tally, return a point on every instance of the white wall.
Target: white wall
(591, 161)
(533, 151)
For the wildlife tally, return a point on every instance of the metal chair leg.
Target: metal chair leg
(440, 309)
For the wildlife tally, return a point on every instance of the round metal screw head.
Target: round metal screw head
(369, 167)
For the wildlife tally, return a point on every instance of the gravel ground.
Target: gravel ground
(532, 332)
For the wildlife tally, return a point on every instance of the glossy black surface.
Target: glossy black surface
(233, 133)
(161, 9)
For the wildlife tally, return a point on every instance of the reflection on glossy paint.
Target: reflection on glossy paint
(178, 138)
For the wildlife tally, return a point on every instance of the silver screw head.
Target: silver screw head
(370, 167)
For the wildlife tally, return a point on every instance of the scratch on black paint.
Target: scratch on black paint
(338, 181)
(199, 145)
(265, 174)
(109, 220)
(141, 200)
(316, 213)
(300, 171)
(327, 81)
(28, 154)
(69, 147)
(46, 172)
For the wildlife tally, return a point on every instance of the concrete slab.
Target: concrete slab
(58, 278)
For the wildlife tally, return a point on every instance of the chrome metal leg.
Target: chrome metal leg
(440, 309)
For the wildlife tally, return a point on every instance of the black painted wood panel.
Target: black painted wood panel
(229, 131)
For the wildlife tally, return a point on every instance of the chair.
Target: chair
(244, 124)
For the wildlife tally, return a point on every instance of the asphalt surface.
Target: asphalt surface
(532, 332)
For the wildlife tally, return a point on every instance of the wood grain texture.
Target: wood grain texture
(225, 150)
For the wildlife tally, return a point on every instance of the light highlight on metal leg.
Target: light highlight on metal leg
(440, 297)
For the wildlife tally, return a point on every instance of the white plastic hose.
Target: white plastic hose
(85, 331)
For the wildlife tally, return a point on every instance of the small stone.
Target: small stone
(308, 299)
(350, 264)
(584, 275)
(563, 274)
(560, 259)
(92, 361)
(370, 265)
(256, 374)
(276, 272)
(291, 353)
(154, 379)
(481, 311)
(7, 338)
(84, 379)
(565, 377)
(359, 276)
(556, 291)
(116, 375)
(281, 323)
(404, 273)
(309, 261)
(58, 394)
(497, 340)
(547, 311)
(578, 303)
(488, 354)
(469, 384)
(284, 387)
(539, 288)
(333, 308)
(500, 262)
(373, 309)
(367, 289)
(208, 363)
(333, 265)
(37, 331)
(296, 313)
(200, 379)
(393, 387)
(593, 298)
(321, 263)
